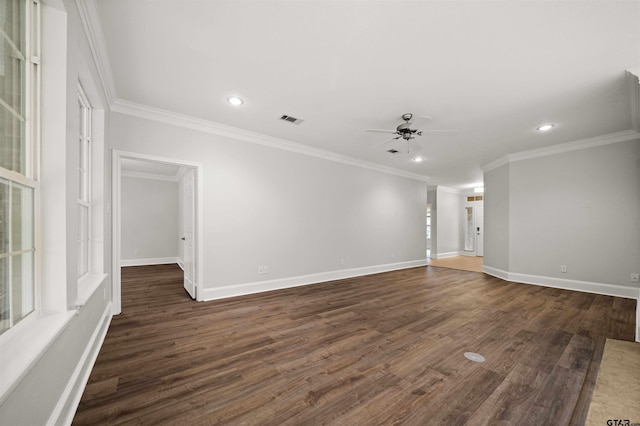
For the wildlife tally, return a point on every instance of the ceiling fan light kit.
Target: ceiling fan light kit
(545, 127)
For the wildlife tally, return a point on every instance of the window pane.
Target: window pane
(21, 286)
(81, 120)
(4, 294)
(82, 171)
(12, 15)
(21, 218)
(12, 142)
(12, 67)
(4, 216)
(83, 240)
(80, 184)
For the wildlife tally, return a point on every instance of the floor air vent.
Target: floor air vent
(290, 119)
(472, 356)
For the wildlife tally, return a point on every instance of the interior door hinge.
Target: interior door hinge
(35, 60)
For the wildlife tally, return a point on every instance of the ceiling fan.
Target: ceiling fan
(405, 132)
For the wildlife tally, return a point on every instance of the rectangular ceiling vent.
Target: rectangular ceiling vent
(290, 119)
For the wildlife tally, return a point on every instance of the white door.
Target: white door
(479, 229)
(188, 231)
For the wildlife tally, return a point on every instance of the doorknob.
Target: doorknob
(183, 239)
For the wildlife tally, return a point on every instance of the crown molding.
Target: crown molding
(495, 164)
(90, 17)
(449, 190)
(175, 119)
(624, 136)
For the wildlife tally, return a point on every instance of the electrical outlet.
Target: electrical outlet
(635, 278)
(563, 269)
(342, 260)
(263, 270)
(136, 252)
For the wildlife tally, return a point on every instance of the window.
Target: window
(18, 119)
(84, 183)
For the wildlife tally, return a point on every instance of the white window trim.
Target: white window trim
(84, 199)
(32, 136)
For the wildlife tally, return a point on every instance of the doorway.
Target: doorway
(474, 226)
(189, 177)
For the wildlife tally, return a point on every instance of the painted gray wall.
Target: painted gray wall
(577, 208)
(432, 198)
(496, 218)
(447, 221)
(294, 213)
(150, 220)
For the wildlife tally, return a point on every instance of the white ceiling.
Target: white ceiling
(494, 70)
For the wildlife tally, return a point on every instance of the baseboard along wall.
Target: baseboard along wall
(149, 261)
(575, 285)
(278, 284)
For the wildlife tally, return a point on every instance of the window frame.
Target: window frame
(84, 185)
(30, 93)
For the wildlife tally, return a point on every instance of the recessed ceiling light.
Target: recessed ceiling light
(545, 127)
(235, 101)
(417, 159)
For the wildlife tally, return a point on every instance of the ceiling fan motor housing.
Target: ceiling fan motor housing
(405, 130)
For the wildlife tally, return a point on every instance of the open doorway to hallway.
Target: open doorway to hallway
(454, 231)
(156, 206)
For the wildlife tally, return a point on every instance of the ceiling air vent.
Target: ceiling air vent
(290, 119)
(393, 151)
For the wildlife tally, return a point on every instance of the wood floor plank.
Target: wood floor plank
(380, 349)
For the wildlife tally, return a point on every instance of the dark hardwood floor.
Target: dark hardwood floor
(380, 349)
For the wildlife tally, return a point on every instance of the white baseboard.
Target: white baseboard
(278, 284)
(180, 263)
(575, 285)
(445, 255)
(68, 402)
(149, 261)
(496, 272)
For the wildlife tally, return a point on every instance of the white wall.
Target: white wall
(150, 222)
(579, 208)
(448, 221)
(296, 214)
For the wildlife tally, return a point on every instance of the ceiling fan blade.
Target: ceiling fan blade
(426, 116)
(381, 131)
(384, 142)
(439, 131)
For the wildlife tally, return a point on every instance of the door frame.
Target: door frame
(116, 192)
